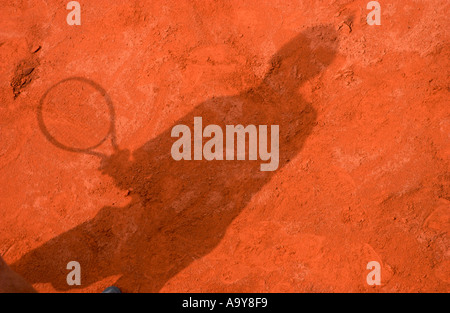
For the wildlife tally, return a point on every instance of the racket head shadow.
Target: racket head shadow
(111, 132)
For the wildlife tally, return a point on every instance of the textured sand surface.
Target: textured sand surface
(364, 117)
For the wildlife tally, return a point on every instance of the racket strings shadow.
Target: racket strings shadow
(111, 133)
(180, 211)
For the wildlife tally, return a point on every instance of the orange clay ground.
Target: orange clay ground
(364, 117)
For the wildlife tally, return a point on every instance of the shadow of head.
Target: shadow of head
(180, 210)
(302, 58)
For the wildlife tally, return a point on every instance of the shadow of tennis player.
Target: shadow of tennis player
(180, 210)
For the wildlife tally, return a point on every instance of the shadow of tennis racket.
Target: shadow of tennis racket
(179, 211)
(58, 135)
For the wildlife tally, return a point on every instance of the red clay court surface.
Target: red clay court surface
(364, 117)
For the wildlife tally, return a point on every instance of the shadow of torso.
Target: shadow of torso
(180, 210)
